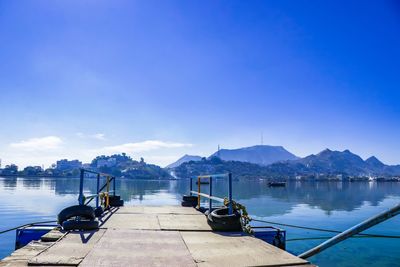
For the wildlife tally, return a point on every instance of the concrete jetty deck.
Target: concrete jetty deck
(151, 236)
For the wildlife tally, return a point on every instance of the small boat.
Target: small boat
(277, 184)
(203, 182)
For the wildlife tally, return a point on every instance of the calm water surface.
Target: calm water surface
(332, 205)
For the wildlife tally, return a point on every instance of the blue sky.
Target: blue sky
(159, 79)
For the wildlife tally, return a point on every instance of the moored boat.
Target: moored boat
(277, 184)
(203, 182)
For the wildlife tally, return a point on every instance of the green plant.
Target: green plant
(245, 218)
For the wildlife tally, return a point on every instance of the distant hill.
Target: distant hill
(374, 163)
(262, 154)
(334, 162)
(126, 167)
(185, 158)
(216, 165)
(326, 163)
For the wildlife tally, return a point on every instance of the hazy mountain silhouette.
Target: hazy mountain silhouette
(261, 154)
(185, 158)
(252, 162)
(331, 162)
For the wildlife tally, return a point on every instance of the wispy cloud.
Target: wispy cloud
(143, 146)
(41, 143)
(97, 136)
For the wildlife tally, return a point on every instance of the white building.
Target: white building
(106, 162)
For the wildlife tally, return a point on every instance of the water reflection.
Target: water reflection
(31, 183)
(330, 196)
(9, 183)
(327, 196)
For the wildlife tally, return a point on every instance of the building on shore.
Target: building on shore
(65, 164)
(111, 162)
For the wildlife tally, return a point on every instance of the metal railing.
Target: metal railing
(353, 231)
(85, 200)
(210, 196)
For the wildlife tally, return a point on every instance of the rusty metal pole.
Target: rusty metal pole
(352, 231)
(108, 192)
(198, 190)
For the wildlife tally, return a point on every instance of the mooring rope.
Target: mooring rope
(308, 238)
(25, 225)
(322, 230)
(328, 237)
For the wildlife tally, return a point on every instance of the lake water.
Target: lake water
(331, 205)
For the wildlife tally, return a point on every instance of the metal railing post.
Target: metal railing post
(114, 185)
(108, 192)
(80, 198)
(191, 186)
(97, 190)
(210, 200)
(198, 190)
(108, 185)
(230, 194)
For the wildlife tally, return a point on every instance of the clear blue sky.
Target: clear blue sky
(159, 79)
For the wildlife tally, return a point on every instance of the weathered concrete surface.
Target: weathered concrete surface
(158, 210)
(106, 216)
(139, 248)
(228, 249)
(183, 222)
(157, 218)
(132, 221)
(52, 236)
(70, 250)
(21, 256)
(13, 263)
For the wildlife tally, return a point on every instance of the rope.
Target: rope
(24, 225)
(328, 237)
(323, 230)
(308, 238)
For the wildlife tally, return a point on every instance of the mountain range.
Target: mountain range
(262, 154)
(335, 162)
(275, 161)
(185, 158)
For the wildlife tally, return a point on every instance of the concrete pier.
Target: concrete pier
(151, 236)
